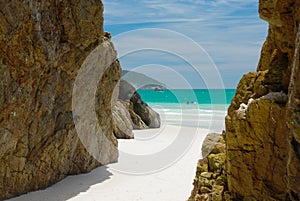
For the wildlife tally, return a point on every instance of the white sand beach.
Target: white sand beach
(159, 164)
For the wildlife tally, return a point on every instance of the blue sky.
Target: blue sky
(229, 32)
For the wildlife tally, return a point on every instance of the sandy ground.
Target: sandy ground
(159, 164)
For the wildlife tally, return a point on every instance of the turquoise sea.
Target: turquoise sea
(191, 107)
(188, 96)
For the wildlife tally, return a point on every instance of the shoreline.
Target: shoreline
(159, 164)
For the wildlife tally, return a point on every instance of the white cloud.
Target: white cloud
(229, 30)
(130, 11)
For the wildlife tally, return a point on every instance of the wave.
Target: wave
(193, 116)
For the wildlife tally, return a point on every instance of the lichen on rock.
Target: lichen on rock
(210, 182)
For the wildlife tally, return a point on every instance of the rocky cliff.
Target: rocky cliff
(43, 44)
(263, 122)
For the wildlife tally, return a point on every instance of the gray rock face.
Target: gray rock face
(141, 114)
(147, 114)
(210, 142)
(122, 121)
(126, 90)
(131, 112)
(136, 119)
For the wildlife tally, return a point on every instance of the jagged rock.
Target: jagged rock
(250, 86)
(217, 194)
(278, 97)
(126, 90)
(205, 190)
(241, 112)
(210, 182)
(210, 142)
(263, 138)
(147, 114)
(216, 162)
(141, 114)
(43, 45)
(122, 121)
(137, 121)
(207, 175)
(253, 141)
(131, 112)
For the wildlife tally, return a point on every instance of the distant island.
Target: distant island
(142, 81)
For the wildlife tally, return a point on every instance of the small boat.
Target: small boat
(158, 89)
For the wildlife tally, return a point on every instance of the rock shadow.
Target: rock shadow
(67, 188)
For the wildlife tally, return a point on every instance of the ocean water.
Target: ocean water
(199, 96)
(194, 108)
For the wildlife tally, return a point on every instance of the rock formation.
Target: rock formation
(263, 122)
(210, 182)
(131, 112)
(147, 114)
(211, 141)
(263, 135)
(42, 47)
(122, 123)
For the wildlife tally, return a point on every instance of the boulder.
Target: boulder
(142, 115)
(210, 182)
(147, 114)
(122, 121)
(43, 47)
(137, 121)
(210, 142)
(126, 90)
